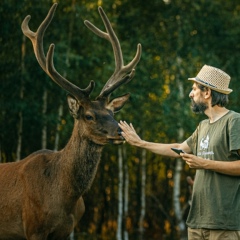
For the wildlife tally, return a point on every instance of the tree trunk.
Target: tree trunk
(126, 191)
(19, 131)
(44, 126)
(143, 197)
(177, 173)
(57, 135)
(120, 194)
(71, 237)
(21, 95)
(60, 109)
(176, 197)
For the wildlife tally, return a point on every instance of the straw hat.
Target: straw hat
(213, 78)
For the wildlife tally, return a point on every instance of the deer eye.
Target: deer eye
(89, 117)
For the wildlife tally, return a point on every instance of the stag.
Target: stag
(41, 195)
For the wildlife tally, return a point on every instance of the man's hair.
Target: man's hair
(219, 99)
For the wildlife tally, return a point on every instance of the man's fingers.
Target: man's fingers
(132, 127)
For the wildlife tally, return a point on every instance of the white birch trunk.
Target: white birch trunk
(20, 123)
(177, 175)
(60, 111)
(176, 195)
(143, 197)
(57, 135)
(44, 112)
(19, 131)
(71, 237)
(126, 191)
(120, 194)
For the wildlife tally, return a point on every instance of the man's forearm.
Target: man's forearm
(225, 167)
(159, 148)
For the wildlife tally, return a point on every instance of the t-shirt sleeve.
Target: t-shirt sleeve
(192, 141)
(234, 134)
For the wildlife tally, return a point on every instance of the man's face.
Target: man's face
(198, 103)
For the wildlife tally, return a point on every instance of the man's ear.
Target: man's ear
(73, 106)
(207, 93)
(117, 103)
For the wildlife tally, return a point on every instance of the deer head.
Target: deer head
(94, 118)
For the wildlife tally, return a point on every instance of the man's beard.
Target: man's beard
(198, 108)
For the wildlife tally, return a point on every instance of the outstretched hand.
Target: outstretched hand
(129, 133)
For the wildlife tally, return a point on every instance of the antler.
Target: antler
(120, 74)
(47, 62)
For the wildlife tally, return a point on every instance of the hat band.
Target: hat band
(205, 82)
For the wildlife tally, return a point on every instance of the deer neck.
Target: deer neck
(81, 157)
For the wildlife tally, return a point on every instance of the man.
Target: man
(214, 151)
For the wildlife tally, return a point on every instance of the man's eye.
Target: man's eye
(89, 117)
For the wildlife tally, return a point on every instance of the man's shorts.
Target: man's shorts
(209, 234)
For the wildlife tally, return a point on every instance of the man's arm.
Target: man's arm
(225, 167)
(130, 135)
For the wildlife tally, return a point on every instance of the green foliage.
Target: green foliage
(177, 38)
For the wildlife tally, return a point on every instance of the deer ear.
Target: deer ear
(117, 103)
(73, 106)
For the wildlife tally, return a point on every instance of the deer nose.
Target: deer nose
(119, 131)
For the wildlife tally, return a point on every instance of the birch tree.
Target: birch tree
(44, 112)
(69, 40)
(21, 95)
(143, 195)
(60, 112)
(126, 191)
(120, 194)
(57, 135)
(178, 169)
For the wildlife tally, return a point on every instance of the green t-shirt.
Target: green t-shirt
(216, 197)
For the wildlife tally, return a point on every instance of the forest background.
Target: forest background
(136, 194)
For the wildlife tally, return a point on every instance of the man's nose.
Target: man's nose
(191, 94)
